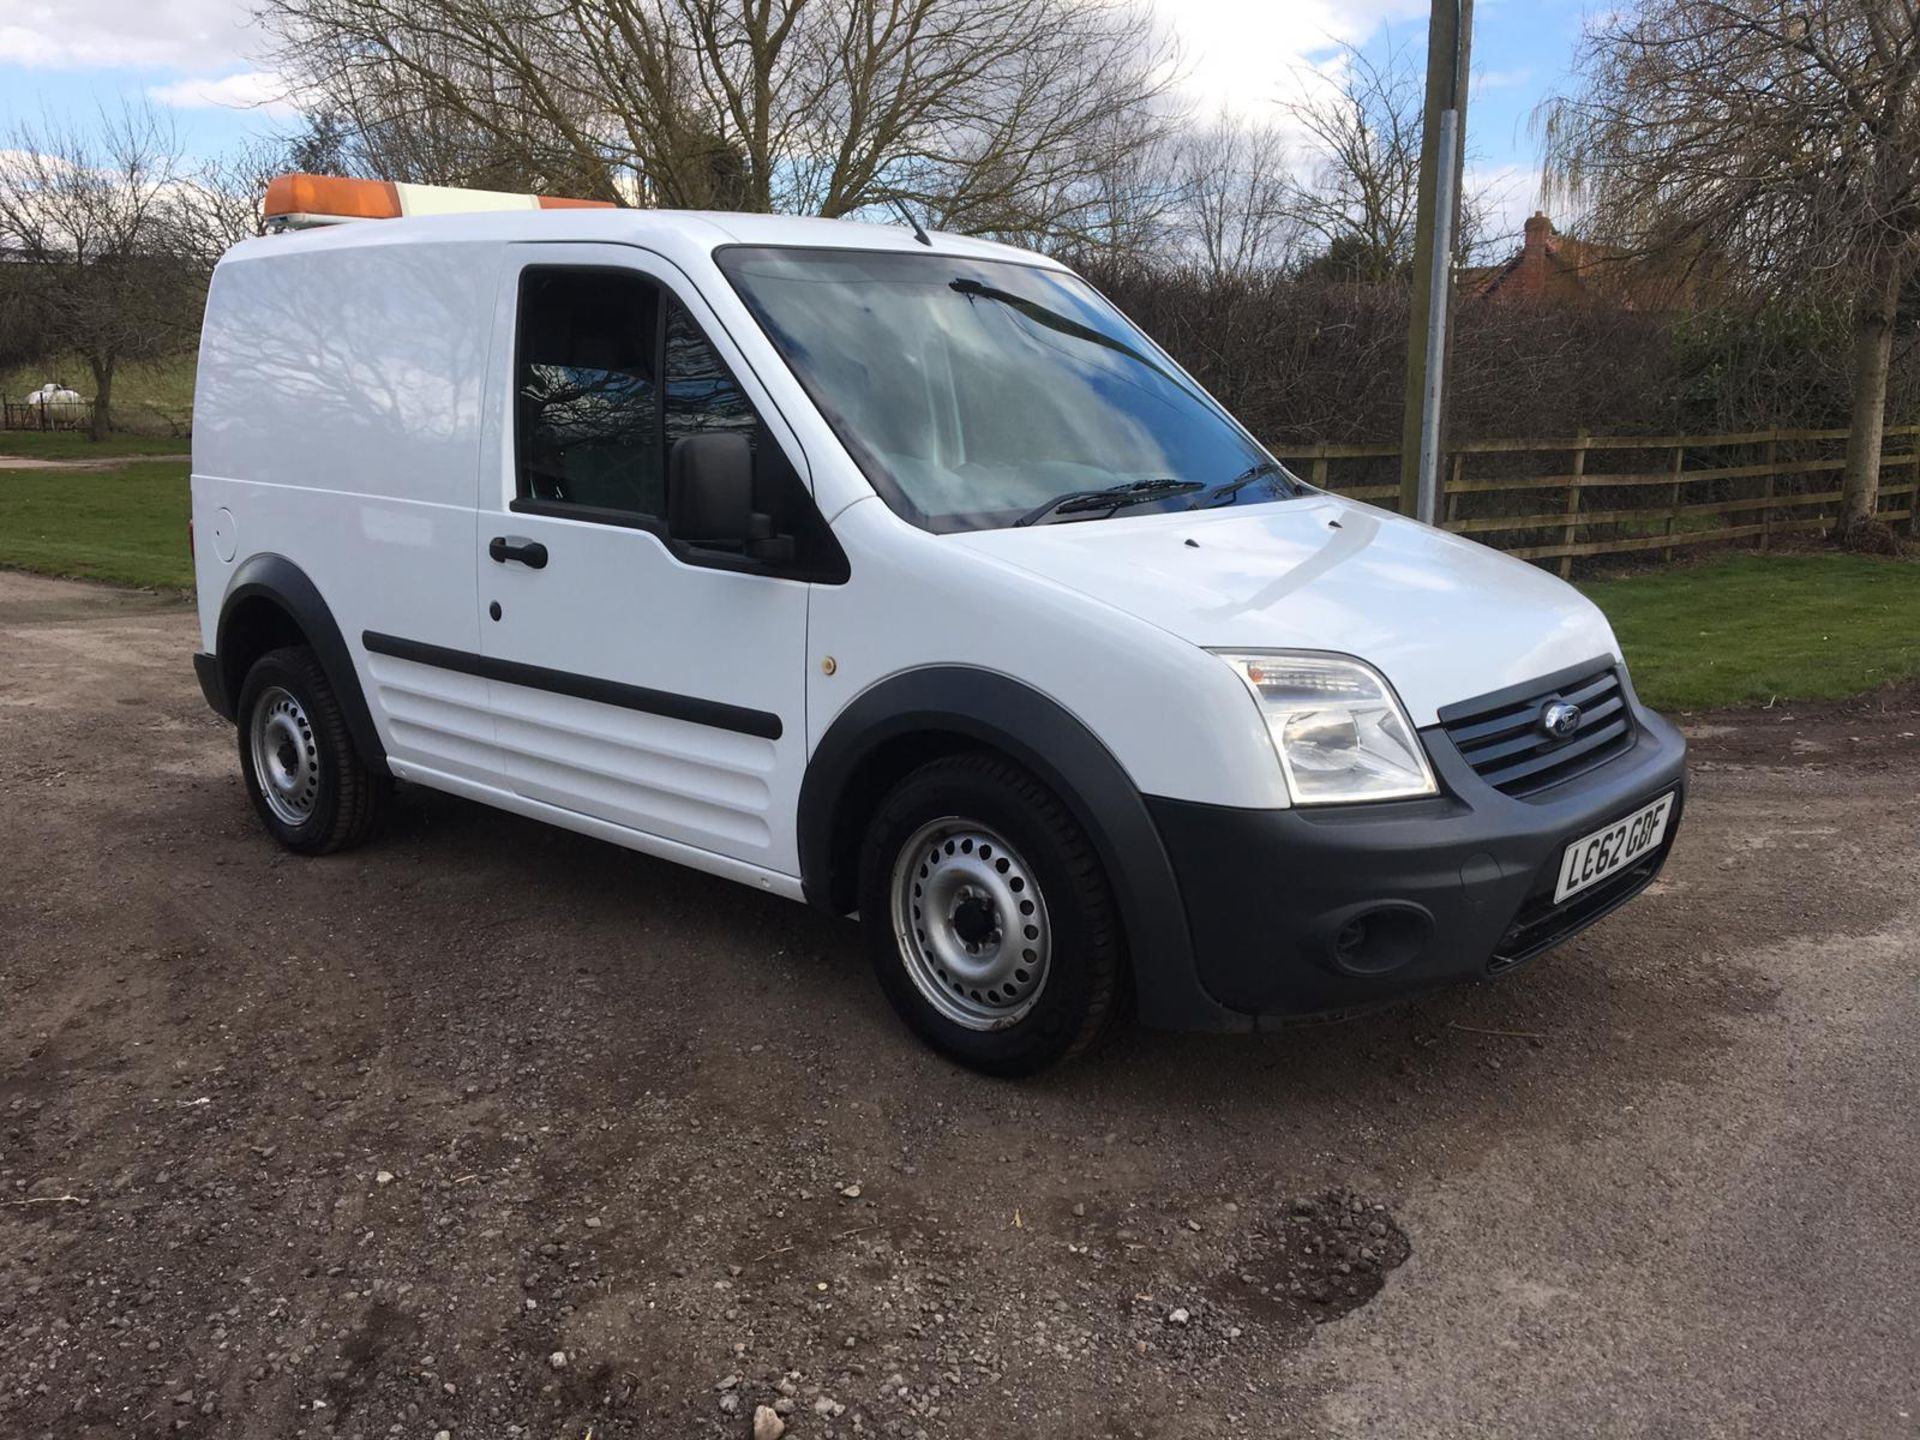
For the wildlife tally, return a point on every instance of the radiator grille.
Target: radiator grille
(1508, 746)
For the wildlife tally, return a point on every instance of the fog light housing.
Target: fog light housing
(1379, 939)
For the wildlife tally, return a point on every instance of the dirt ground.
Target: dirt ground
(112, 462)
(492, 1130)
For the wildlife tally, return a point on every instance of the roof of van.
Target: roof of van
(667, 230)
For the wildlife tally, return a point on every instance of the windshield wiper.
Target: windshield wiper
(1228, 489)
(1060, 324)
(1110, 499)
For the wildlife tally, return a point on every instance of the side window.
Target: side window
(701, 395)
(587, 401)
(609, 373)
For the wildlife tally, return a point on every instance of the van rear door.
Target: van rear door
(637, 680)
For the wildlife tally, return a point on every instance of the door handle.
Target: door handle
(530, 553)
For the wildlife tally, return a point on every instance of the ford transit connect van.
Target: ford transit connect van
(903, 577)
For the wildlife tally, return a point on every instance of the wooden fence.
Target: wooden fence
(1562, 500)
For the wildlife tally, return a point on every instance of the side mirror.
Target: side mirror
(710, 498)
(710, 490)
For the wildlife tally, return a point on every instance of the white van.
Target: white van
(902, 576)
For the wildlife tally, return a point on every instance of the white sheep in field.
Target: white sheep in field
(58, 405)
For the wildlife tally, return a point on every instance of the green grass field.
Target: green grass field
(150, 397)
(1740, 630)
(127, 525)
(1751, 628)
(69, 445)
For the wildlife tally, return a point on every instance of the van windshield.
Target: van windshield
(979, 394)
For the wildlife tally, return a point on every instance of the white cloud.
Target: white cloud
(1242, 55)
(257, 90)
(1239, 55)
(187, 35)
(1505, 196)
(1502, 79)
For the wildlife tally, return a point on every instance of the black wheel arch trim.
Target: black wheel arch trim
(998, 712)
(278, 579)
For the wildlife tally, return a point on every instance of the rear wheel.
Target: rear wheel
(303, 775)
(989, 920)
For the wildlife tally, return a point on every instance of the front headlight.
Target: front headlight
(1338, 729)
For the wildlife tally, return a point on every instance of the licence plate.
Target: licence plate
(1592, 858)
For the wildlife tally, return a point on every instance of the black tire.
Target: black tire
(343, 798)
(1085, 985)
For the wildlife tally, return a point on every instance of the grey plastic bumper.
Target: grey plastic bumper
(1453, 888)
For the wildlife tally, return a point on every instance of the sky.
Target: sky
(203, 61)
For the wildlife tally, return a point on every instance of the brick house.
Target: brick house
(1549, 268)
(1555, 269)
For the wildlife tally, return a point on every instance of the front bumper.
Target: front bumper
(1454, 888)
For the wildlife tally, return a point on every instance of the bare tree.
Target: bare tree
(1777, 142)
(989, 114)
(1365, 186)
(24, 336)
(1237, 199)
(221, 202)
(87, 216)
(1127, 206)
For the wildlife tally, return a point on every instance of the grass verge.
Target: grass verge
(1751, 628)
(150, 396)
(69, 445)
(1735, 631)
(127, 525)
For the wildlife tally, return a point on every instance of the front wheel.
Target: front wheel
(989, 920)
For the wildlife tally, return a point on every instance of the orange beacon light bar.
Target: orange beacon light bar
(299, 201)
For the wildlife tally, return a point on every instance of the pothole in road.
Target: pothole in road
(1325, 1256)
(1301, 1264)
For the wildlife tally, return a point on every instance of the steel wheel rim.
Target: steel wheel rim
(286, 759)
(971, 924)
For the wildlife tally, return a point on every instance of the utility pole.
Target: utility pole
(1442, 158)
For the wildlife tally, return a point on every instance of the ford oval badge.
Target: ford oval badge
(1560, 719)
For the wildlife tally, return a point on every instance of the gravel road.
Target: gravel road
(488, 1130)
(111, 462)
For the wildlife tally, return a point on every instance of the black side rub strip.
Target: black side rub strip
(715, 713)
